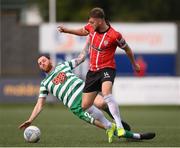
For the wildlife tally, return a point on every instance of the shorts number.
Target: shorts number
(87, 115)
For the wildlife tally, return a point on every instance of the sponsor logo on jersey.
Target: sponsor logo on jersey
(60, 78)
(96, 48)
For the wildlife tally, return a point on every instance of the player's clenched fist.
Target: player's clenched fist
(61, 28)
(137, 68)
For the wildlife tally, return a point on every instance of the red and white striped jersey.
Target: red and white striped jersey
(103, 47)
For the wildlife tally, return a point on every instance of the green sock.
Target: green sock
(132, 135)
(128, 134)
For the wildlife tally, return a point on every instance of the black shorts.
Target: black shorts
(94, 79)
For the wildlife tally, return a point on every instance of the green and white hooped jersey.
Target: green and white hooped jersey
(63, 84)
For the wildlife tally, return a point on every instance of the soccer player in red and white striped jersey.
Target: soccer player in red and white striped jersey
(103, 41)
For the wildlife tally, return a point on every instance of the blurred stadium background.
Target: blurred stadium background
(151, 27)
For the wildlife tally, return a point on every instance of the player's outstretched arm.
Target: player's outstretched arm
(37, 109)
(79, 32)
(82, 56)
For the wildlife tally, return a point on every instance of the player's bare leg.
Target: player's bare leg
(88, 99)
(98, 115)
(99, 101)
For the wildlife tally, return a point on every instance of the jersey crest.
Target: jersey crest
(105, 42)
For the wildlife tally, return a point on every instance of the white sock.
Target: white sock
(136, 136)
(114, 109)
(97, 114)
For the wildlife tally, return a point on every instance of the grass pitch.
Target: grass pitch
(60, 128)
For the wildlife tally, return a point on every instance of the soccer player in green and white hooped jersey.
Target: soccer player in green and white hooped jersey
(67, 87)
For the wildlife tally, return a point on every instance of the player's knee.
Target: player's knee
(100, 105)
(84, 107)
(106, 93)
(86, 104)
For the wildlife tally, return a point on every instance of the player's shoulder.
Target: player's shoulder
(59, 64)
(65, 65)
(47, 78)
(42, 82)
(114, 33)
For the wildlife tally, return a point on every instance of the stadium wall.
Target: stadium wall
(19, 90)
(178, 54)
(126, 90)
(19, 47)
(147, 91)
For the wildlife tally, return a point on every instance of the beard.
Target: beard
(96, 29)
(48, 69)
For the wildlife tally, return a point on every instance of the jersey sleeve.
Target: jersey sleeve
(88, 27)
(72, 64)
(121, 41)
(43, 92)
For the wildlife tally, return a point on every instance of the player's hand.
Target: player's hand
(25, 124)
(137, 68)
(61, 28)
